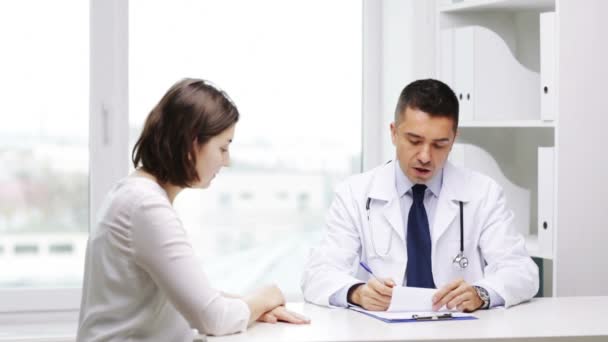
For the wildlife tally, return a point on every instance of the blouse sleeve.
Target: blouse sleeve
(161, 247)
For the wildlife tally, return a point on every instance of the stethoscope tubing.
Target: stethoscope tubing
(461, 229)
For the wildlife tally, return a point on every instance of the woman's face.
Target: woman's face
(212, 156)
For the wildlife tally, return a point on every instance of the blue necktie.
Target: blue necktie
(419, 270)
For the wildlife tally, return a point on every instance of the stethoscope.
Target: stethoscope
(459, 260)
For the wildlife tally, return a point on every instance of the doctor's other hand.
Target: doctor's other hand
(281, 314)
(457, 295)
(374, 296)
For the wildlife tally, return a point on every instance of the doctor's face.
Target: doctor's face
(423, 143)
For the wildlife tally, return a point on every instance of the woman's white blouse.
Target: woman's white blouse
(142, 281)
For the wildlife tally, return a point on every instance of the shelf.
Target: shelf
(507, 124)
(498, 5)
(532, 245)
(534, 248)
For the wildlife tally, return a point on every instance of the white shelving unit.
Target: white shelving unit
(545, 157)
(505, 123)
(489, 52)
(447, 6)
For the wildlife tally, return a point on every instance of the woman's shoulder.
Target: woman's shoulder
(136, 189)
(146, 199)
(130, 194)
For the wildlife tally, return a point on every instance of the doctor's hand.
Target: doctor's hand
(281, 314)
(374, 296)
(457, 295)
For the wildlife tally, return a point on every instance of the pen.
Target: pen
(387, 282)
(369, 270)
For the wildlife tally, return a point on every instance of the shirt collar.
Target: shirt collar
(404, 184)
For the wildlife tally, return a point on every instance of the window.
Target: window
(44, 154)
(294, 71)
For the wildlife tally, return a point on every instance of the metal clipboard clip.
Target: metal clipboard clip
(444, 316)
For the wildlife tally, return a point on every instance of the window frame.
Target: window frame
(108, 112)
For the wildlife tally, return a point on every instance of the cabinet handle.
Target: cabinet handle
(468, 96)
(105, 125)
(545, 225)
(460, 96)
(545, 89)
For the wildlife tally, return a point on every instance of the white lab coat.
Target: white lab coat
(497, 255)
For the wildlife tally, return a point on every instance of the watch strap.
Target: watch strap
(483, 295)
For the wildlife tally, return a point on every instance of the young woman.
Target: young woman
(142, 280)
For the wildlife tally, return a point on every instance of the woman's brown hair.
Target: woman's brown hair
(191, 110)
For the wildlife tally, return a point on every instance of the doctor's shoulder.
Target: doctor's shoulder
(358, 184)
(480, 185)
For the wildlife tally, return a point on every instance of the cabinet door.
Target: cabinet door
(464, 62)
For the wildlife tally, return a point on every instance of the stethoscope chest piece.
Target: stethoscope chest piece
(461, 261)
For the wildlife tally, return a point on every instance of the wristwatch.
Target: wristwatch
(483, 295)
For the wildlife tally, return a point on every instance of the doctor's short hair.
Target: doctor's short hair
(192, 109)
(430, 96)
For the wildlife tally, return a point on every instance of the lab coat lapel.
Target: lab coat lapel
(383, 189)
(453, 189)
(445, 213)
(392, 213)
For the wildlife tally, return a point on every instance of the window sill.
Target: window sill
(48, 326)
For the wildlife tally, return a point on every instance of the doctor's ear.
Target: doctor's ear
(456, 134)
(393, 133)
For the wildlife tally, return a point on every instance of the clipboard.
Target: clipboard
(412, 317)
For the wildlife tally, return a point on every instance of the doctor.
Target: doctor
(421, 221)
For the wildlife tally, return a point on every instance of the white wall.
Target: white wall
(399, 47)
(372, 83)
(582, 215)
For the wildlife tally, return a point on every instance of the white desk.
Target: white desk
(543, 319)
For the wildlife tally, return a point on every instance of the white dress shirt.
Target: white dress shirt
(142, 281)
